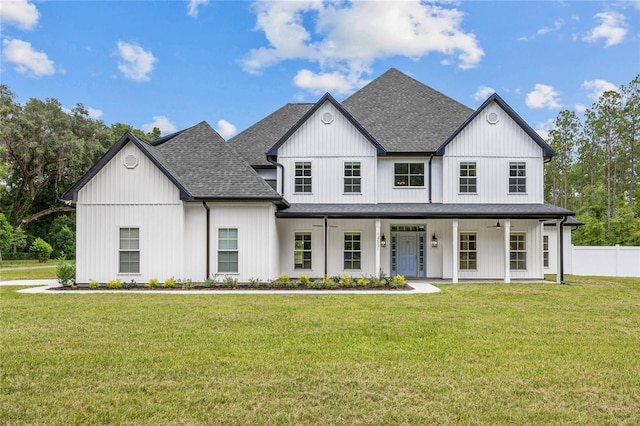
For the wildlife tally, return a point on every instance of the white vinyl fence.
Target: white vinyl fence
(614, 261)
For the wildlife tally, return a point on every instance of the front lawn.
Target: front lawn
(480, 354)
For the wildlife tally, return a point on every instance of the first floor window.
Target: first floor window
(352, 178)
(518, 251)
(129, 251)
(408, 174)
(545, 250)
(517, 178)
(228, 250)
(468, 178)
(352, 254)
(302, 250)
(303, 177)
(468, 251)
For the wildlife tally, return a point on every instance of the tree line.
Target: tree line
(44, 149)
(596, 169)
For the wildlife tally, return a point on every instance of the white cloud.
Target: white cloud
(612, 29)
(20, 13)
(162, 123)
(557, 24)
(483, 93)
(136, 63)
(192, 7)
(226, 129)
(580, 108)
(27, 60)
(543, 96)
(597, 87)
(335, 82)
(543, 128)
(346, 37)
(94, 113)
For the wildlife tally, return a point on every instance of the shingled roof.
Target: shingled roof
(405, 115)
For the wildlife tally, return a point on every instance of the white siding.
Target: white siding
(492, 147)
(195, 242)
(387, 193)
(327, 147)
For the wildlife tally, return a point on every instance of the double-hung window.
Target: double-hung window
(302, 250)
(129, 258)
(517, 177)
(545, 250)
(468, 251)
(352, 178)
(303, 177)
(518, 251)
(352, 254)
(468, 178)
(408, 174)
(227, 250)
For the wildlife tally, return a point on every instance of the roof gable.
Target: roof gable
(273, 152)
(546, 149)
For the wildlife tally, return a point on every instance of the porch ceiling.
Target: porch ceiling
(425, 210)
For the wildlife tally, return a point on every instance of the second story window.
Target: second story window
(517, 178)
(468, 178)
(352, 178)
(303, 177)
(408, 174)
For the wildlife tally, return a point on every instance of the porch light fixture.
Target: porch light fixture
(383, 241)
(434, 241)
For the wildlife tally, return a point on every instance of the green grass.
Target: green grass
(29, 269)
(472, 354)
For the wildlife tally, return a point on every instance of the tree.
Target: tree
(563, 139)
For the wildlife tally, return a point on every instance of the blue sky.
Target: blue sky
(173, 64)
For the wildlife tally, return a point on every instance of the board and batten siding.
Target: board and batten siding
(493, 147)
(140, 197)
(388, 193)
(327, 147)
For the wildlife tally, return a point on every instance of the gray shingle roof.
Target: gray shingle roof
(208, 167)
(425, 210)
(254, 142)
(404, 115)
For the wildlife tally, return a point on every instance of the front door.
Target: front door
(407, 254)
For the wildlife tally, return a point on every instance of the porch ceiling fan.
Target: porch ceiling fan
(496, 226)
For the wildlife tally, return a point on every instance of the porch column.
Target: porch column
(558, 251)
(377, 246)
(454, 257)
(507, 251)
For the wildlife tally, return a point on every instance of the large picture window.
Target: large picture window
(517, 177)
(468, 178)
(227, 250)
(129, 262)
(518, 251)
(352, 178)
(303, 177)
(302, 250)
(352, 254)
(468, 251)
(408, 174)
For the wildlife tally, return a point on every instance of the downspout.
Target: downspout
(326, 227)
(275, 163)
(430, 180)
(208, 249)
(561, 266)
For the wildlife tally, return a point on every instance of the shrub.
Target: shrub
(187, 284)
(316, 284)
(304, 280)
(130, 284)
(169, 283)
(66, 274)
(375, 282)
(363, 282)
(209, 283)
(94, 284)
(347, 281)
(230, 282)
(330, 282)
(398, 282)
(114, 284)
(283, 281)
(153, 283)
(254, 282)
(42, 249)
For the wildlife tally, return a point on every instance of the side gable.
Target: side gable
(546, 149)
(155, 158)
(273, 152)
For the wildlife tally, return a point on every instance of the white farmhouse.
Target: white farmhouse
(397, 178)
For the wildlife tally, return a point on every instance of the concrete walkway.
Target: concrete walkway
(42, 286)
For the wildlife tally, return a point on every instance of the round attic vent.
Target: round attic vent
(327, 118)
(492, 117)
(130, 161)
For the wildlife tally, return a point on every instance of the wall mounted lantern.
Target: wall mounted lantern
(434, 241)
(383, 241)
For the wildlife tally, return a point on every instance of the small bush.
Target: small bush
(94, 284)
(153, 283)
(254, 282)
(397, 282)
(281, 282)
(66, 274)
(230, 282)
(376, 282)
(209, 283)
(304, 280)
(187, 284)
(330, 283)
(42, 249)
(169, 283)
(316, 284)
(129, 284)
(114, 284)
(347, 281)
(363, 282)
